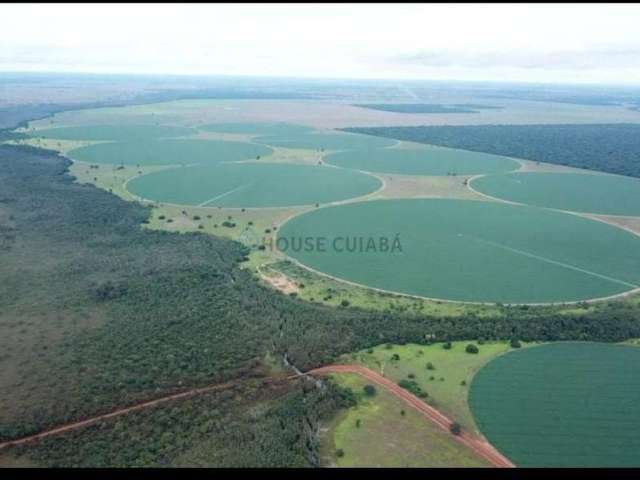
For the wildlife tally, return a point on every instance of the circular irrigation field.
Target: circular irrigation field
(112, 132)
(422, 161)
(256, 128)
(590, 193)
(326, 141)
(168, 152)
(562, 405)
(470, 251)
(253, 184)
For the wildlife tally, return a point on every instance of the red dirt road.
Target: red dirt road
(482, 448)
(115, 413)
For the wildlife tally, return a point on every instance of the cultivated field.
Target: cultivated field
(424, 160)
(253, 185)
(562, 405)
(589, 193)
(468, 251)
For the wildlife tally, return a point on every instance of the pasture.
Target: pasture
(562, 405)
(589, 193)
(468, 251)
(447, 379)
(435, 161)
(375, 433)
(168, 152)
(252, 184)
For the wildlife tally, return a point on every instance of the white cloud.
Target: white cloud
(500, 42)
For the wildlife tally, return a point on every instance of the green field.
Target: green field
(326, 141)
(253, 184)
(422, 161)
(255, 128)
(443, 384)
(468, 250)
(375, 433)
(168, 152)
(604, 194)
(112, 132)
(562, 405)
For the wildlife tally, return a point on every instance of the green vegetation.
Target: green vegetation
(168, 152)
(454, 365)
(612, 148)
(110, 314)
(426, 107)
(251, 424)
(603, 194)
(254, 128)
(325, 141)
(509, 254)
(112, 132)
(562, 405)
(253, 185)
(382, 431)
(422, 161)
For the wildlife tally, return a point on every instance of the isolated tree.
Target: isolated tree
(455, 428)
(430, 366)
(447, 345)
(471, 348)
(339, 453)
(369, 390)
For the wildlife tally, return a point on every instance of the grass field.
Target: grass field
(168, 152)
(444, 383)
(422, 161)
(326, 141)
(253, 185)
(604, 194)
(562, 405)
(375, 433)
(468, 251)
(113, 132)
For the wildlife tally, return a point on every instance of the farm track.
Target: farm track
(480, 447)
(120, 412)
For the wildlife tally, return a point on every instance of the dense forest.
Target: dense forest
(611, 148)
(97, 313)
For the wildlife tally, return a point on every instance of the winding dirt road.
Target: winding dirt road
(482, 448)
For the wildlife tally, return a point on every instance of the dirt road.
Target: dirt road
(482, 448)
(115, 413)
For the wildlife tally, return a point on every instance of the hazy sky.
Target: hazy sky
(542, 43)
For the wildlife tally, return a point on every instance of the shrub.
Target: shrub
(430, 366)
(455, 428)
(515, 343)
(369, 390)
(471, 348)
